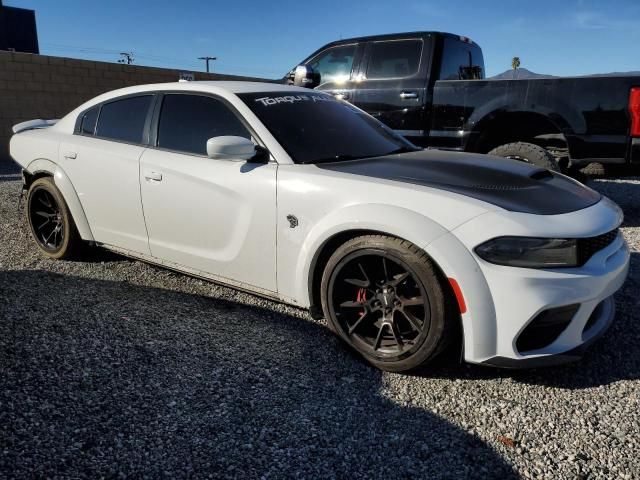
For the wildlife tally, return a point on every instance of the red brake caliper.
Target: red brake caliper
(362, 298)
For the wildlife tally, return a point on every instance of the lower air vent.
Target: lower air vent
(545, 328)
(597, 313)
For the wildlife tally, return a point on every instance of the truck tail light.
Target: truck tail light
(634, 111)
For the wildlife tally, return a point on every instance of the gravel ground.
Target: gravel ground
(111, 368)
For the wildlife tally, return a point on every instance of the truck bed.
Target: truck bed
(591, 113)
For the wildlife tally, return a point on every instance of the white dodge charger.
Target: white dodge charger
(294, 195)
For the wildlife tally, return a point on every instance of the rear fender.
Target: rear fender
(65, 186)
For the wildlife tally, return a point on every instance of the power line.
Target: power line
(160, 59)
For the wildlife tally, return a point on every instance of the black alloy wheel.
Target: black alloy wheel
(383, 296)
(51, 223)
(379, 303)
(46, 218)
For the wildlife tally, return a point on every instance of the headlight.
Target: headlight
(530, 252)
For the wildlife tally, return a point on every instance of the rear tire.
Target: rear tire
(383, 296)
(50, 220)
(527, 152)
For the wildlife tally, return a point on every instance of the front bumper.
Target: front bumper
(503, 301)
(520, 295)
(602, 323)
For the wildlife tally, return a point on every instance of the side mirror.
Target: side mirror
(306, 76)
(261, 155)
(229, 147)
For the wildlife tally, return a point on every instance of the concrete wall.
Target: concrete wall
(40, 86)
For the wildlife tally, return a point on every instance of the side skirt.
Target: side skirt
(217, 279)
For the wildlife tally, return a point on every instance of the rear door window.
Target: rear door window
(124, 120)
(394, 59)
(188, 121)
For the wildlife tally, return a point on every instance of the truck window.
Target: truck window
(394, 59)
(461, 60)
(334, 64)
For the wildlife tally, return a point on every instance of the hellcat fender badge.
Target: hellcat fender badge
(293, 221)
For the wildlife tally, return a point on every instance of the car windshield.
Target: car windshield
(315, 127)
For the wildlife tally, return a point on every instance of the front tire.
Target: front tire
(50, 220)
(383, 296)
(527, 152)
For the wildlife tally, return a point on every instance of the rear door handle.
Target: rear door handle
(154, 176)
(70, 155)
(408, 95)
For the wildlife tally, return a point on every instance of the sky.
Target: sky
(268, 38)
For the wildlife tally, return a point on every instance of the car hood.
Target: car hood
(510, 184)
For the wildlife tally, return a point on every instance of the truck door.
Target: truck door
(337, 67)
(392, 84)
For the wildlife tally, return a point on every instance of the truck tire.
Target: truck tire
(527, 152)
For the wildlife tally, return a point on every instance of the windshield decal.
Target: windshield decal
(267, 101)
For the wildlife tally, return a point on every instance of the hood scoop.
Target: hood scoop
(541, 174)
(509, 184)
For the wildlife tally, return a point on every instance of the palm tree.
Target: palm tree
(515, 63)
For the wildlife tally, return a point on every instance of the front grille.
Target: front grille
(587, 247)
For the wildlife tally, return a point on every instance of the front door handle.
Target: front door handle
(70, 155)
(154, 176)
(408, 95)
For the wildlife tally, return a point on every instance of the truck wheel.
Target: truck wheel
(527, 152)
(383, 297)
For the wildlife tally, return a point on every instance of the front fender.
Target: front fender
(479, 320)
(450, 255)
(65, 186)
(385, 219)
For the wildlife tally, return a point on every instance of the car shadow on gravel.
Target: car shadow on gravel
(614, 357)
(102, 378)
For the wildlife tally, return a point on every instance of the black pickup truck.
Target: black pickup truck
(430, 87)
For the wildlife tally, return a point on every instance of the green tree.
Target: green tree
(515, 63)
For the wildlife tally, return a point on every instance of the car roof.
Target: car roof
(210, 86)
(221, 88)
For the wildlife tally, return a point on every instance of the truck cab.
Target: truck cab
(392, 76)
(430, 88)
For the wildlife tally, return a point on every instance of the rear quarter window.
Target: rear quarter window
(89, 120)
(461, 61)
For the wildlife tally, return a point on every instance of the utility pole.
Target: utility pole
(127, 57)
(207, 59)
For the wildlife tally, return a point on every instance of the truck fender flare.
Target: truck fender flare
(69, 193)
(566, 119)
